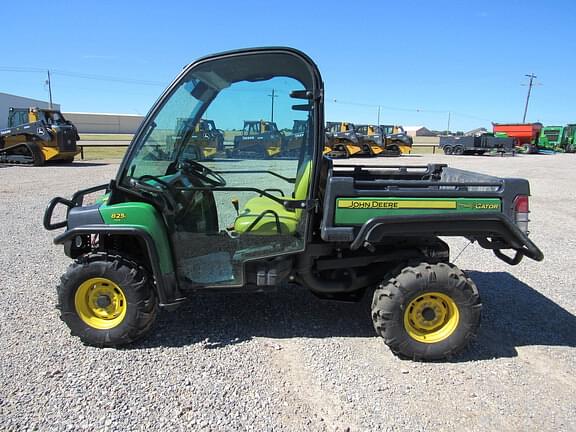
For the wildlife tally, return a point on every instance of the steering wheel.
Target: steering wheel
(159, 185)
(202, 172)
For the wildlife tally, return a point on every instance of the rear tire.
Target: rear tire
(106, 300)
(528, 149)
(458, 150)
(447, 150)
(427, 312)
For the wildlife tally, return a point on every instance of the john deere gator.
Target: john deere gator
(169, 226)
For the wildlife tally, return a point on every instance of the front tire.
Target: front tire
(427, 312)
(106, 301)
(38, 158)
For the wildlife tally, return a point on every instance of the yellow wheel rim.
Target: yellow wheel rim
(100, 303)
(431, 317)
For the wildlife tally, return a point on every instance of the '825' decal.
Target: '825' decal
(117, 216)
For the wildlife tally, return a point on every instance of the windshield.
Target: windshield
(158, 147)
(211, 120)
(53, 117)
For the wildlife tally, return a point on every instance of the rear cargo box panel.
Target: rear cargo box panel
(358, 210)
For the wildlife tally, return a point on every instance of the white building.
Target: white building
(103, 123)
(12, 101)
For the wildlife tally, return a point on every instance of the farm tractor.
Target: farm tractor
(259, 138)
(383, 141)
(35, 136)
(293, 142)
(372, 140)
(203, 136)
(341, 140)
(558, 138)
(169, 226)
(397, 140)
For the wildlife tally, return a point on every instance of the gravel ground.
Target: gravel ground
(287, 361)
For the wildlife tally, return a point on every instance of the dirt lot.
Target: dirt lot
(287, 361)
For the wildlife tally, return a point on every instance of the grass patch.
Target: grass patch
(425, 149)
(106, 137)
(99, 153)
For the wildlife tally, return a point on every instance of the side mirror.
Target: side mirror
(306, 107)
(301, 94)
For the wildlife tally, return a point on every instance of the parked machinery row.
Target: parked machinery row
(263, 139)
(535, 138)
(514, 137)
(344, 140)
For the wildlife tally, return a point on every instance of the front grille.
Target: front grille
(67, 139)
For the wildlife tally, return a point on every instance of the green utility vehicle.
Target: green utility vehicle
(169, 225)
(558, 138)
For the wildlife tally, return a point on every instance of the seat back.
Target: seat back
(302, 181)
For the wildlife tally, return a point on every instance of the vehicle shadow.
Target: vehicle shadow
(58, 164)
(220, 319)
(77, 164)
(514, 315)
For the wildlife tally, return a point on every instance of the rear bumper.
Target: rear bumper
(492, 231)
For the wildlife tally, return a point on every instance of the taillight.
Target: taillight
(521, 212)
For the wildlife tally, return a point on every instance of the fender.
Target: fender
(169, 294)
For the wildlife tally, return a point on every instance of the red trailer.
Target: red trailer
(524, 134)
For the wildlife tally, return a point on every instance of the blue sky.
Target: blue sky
(418, 60)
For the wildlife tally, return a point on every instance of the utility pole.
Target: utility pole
(273, 95)
(49, 88)
(448, 128)
(530, 84)
(378, 124)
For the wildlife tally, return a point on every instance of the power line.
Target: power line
(338, 101)
(21, 69)
(108, 78)
(418, 110)
(82, 75)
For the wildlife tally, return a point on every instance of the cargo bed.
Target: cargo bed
(370, 204)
